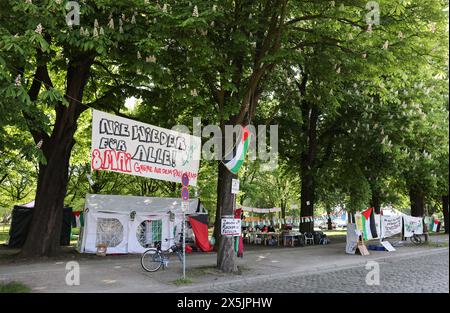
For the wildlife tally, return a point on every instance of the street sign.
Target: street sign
(185, 193)
(234, 186)
(231, 227)
(185, 180)
(185, 206)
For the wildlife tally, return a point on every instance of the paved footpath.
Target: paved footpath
(420, 274)
(272, 269)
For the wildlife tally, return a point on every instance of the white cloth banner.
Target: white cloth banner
(390, 225)
(412, 225)
(260, 210)
(127, 146)
(352, 239)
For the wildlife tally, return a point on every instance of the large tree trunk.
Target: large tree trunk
(307, 202)
(308, 158)
(375, 202)
(44, 235)
(225, 207)
(417, 199)
(445, 211)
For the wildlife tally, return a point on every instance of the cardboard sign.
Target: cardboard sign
(234, 186)
(130, 147)
(363, 249)
(231, 227)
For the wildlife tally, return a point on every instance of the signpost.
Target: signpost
(184, 206)
(234, 186)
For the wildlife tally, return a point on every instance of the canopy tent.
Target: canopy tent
(131, 224)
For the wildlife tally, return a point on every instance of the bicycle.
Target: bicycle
(154, 258)
(417, 239)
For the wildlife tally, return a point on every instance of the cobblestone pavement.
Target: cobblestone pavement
(420, 274)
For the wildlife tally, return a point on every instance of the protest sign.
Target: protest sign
(390, 225)
(231, 227)
(127, 146)
(412, 225)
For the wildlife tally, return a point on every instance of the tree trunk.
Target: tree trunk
(44, 235)
(375, 202)
(329, 224)
(307, 201)
(308, 159)
(417, 199)
(283, 209)
(445, 211)
(225, 256)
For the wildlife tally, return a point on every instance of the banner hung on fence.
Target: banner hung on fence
(126, 146)
(412, 225)
(391, 225)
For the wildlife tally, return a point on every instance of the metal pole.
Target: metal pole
(184, 247)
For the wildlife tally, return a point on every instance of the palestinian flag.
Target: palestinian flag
(434, 225)
(77, 219)
(233, 160)
(368, 223)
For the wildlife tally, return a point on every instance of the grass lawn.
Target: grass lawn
(4, 233)
(13, 287)
(335, 232)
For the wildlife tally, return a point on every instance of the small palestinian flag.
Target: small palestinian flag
(368, 224)
(434, 226)
(78, 219)
(235, 159)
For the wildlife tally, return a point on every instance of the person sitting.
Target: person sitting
(265, 229)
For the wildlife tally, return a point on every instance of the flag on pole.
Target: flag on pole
(368, 224)
(235, 159)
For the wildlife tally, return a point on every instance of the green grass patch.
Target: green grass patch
(182, 281)
(13, 287)
(335, 232)
(4, 233)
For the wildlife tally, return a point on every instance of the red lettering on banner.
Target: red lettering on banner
(111, 160)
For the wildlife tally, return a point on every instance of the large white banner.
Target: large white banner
(390, 225)
(127, 146)
(412, 225)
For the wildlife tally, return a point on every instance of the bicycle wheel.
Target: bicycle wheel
(415, 239)
(151, 260)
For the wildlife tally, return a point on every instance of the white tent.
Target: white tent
(130, 224)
